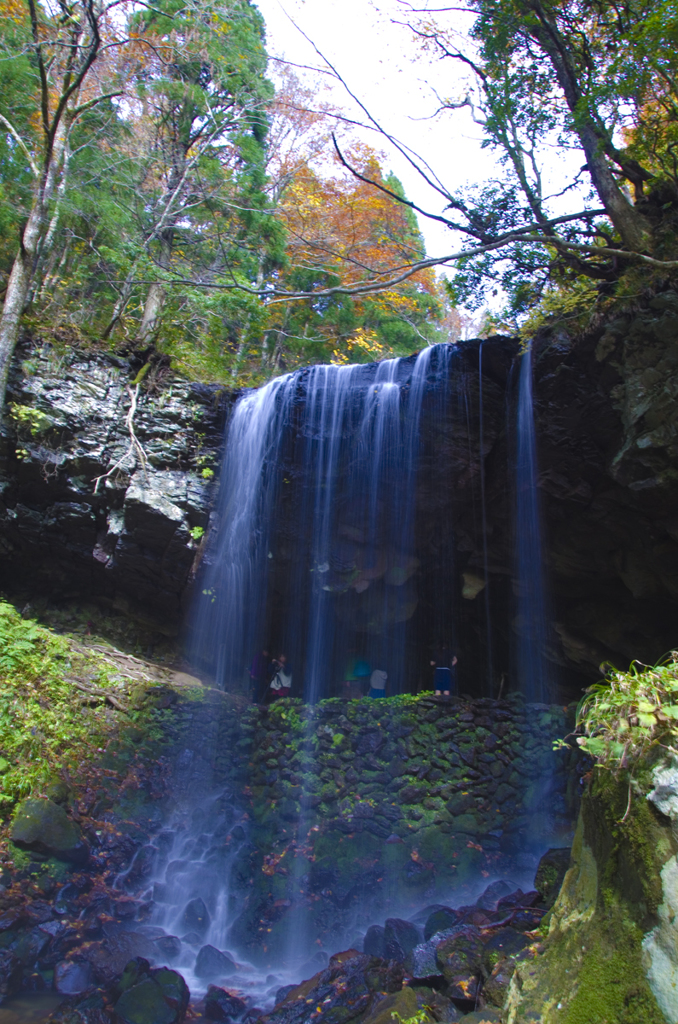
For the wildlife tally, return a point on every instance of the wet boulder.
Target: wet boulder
(550, 874)
(109, 956)
(421, 962)
(370, 742)
(373, 943)
(401, 1005)
(196, 916)
(350, 987)
(12, 918)
(412, 794)
(496, 986)
(11, 972)
(460, 803)
(283, 993)
(464, 989)
(212, 963)
(493, 894)
(460, 954)
(144, 1004)
(142, 866)
(44, 827)
(150, 996)
(90, 1010)
(221, 1005)
(505, 942)
(517, 899)
(400, 938)
(73, 977)
(439, 921)
(30, 946)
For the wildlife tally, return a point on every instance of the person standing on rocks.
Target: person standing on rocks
(281, 684)
(356, 674)
(260, 674)
(378, 683)
(445, 675)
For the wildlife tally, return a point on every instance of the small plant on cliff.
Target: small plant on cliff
(618, 720)
(29, 420)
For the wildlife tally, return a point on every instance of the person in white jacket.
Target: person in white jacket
(378, 683)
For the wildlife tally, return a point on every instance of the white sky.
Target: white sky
(383, 65)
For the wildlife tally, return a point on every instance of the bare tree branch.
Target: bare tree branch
(14, 133)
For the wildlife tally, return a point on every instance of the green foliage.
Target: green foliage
(197, 532)
(420, 1017)
(619, 720)
(571, 307)
(29, 420)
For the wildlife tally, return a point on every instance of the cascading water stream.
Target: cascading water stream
(340, 544)
(532, 620)
(315, 548)
(233, 599)
(483, 521)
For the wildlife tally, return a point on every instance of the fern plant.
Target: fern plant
(619, 720)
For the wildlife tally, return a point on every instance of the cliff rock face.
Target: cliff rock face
(607, 426)
(86, 510)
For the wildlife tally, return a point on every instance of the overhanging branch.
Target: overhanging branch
(395, 276)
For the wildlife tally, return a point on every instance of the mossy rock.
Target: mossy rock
(397, 1006)
(593, 969)
(550, 874)
(58, 792)
(151, 1002)
(44, 826)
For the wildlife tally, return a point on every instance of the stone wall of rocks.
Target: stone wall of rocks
(363, 808)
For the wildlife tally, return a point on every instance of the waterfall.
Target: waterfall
(314, 551)
(337, 515)
(532, 619)
(483, 521)
(231, 606)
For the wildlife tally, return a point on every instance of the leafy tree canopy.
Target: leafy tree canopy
(592, 78)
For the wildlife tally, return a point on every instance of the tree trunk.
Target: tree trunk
(23, 268)
(155, 300)
(633, 229)
(47, 243)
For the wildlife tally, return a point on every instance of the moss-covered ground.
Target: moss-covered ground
(81, 721)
